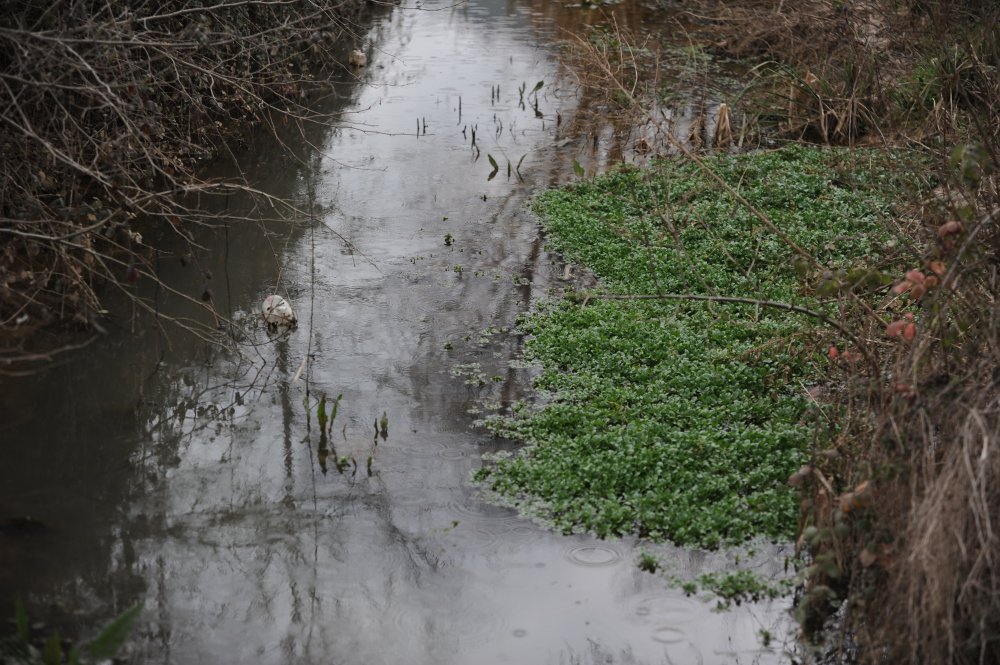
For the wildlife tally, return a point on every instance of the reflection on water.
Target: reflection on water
(200, 481)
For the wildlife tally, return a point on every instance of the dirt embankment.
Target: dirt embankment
(108, 108)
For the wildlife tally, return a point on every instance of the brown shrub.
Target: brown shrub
(108, 109)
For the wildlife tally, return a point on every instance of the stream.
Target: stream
(157, 468)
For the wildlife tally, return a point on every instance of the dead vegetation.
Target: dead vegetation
(107, 110)
(866, 70)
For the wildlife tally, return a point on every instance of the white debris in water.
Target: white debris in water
(357, 58)
(277, 312)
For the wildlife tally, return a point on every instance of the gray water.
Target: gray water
(174, 472)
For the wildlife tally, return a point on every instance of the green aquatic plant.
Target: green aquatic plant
(737, 587)
(321, 413)
(647, 562)
(22, 648)
(674, 419)
(324, 418)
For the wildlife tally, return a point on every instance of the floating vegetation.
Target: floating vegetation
(471, 372)
(22, 646)
(682, 420)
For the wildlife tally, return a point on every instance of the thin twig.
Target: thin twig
(788, 307)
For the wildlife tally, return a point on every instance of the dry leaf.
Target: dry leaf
(895, 329)
(949, 228)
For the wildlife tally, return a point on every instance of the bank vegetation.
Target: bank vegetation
(900, 487)
(904, 502)
(106, 111)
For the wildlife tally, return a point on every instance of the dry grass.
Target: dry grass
(929, 584)
(861, 71)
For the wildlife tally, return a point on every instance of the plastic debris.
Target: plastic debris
(277, 312)
(357, 58)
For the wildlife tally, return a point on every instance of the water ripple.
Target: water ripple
(594, 555)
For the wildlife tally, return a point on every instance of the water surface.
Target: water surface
(172, 472)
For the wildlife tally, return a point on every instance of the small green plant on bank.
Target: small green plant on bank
(682, 420)
(22, 648)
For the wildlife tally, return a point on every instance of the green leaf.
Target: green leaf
(321, 413)
(538, 86)
(496, 167)
(21, 620)
(52, 653)
(113, 636)
(577, 169)
(333, 410)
